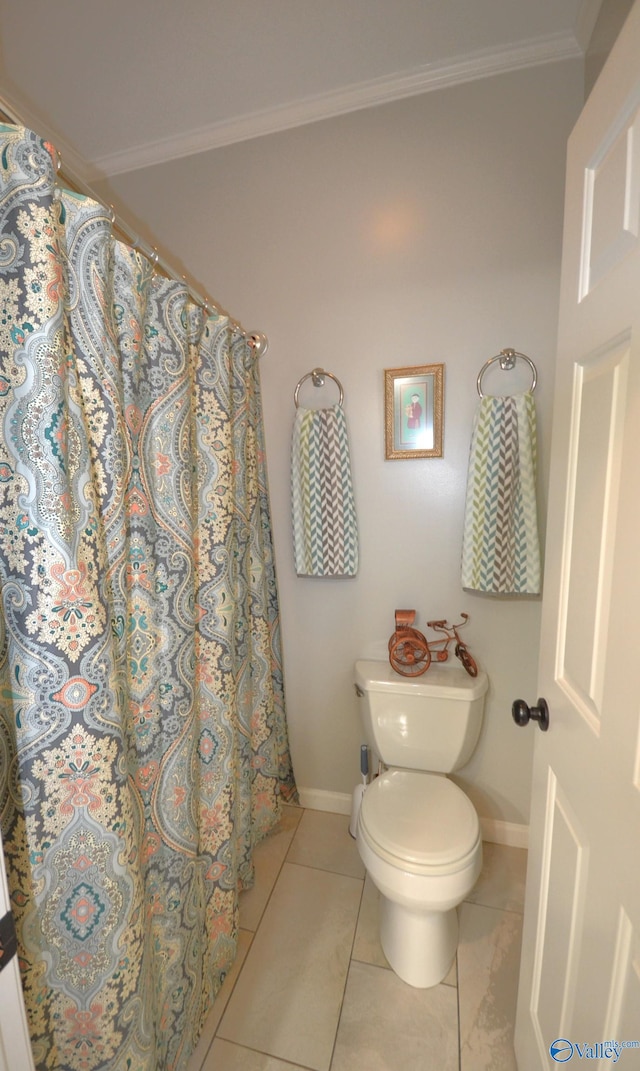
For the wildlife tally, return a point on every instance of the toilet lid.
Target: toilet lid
(419, 818)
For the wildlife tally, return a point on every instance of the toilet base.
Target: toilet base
(420, 946)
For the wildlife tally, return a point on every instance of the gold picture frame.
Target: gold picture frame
(413, 408)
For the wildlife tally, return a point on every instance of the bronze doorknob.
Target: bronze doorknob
(522, 713)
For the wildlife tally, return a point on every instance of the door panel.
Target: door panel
(563, 879)
(612, 197)
(597, 426)
(624, 989)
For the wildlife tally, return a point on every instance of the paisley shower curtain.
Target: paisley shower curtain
(143, 746)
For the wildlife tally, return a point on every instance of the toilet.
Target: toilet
(417, 833)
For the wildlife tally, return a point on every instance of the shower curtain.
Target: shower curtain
(143, 745)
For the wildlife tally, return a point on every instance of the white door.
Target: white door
(15, 1047)
(580, 973)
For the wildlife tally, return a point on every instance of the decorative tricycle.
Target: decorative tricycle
(410, 653)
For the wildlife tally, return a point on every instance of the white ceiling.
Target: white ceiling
(121, 84)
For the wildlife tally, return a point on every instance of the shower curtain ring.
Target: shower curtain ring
(260, 343)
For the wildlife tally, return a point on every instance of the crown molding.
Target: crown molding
(480, 64)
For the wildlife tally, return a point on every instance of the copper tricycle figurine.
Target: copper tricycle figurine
(410, 653)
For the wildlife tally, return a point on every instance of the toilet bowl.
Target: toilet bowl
(418, 834)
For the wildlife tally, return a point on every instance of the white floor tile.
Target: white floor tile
(268, 857)
(502, 881)
(488, 967)
(322, 840)
(287, 1000)
(387, 1025)
(227, 1057)
(367, 947)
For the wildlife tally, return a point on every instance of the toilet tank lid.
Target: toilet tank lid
(441, 680)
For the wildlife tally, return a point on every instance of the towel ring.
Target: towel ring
(507, 360)
(317, 375)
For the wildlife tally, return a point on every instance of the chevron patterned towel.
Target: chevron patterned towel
(500, 549)
(325, 529)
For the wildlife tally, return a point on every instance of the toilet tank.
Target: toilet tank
(431, 722)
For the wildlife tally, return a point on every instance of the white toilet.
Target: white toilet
(417, 833)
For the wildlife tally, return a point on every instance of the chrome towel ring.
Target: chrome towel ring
(318, 376)
(507, 360)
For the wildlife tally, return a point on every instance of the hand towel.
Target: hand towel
(325, 528)
(500, 550)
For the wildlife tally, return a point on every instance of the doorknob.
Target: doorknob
(522, 713)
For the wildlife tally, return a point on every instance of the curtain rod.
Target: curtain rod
(256, 339)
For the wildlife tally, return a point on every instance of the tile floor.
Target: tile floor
(311, 989)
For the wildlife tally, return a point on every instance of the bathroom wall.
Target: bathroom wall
(611, 18)
(422, 231)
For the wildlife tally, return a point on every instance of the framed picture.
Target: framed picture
(413, 407)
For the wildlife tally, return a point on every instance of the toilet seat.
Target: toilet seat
(419, 822)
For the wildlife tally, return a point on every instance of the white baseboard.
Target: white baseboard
(510, 833)
(494, 829)
(317, 799)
